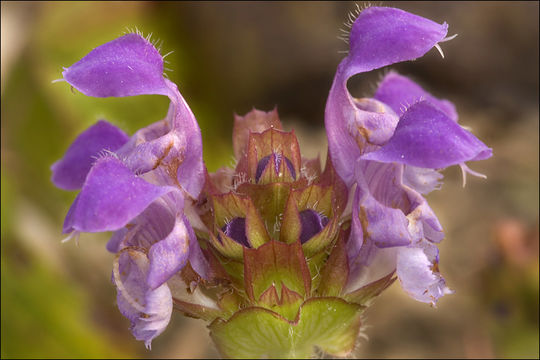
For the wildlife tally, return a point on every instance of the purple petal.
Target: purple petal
(174, 144)
(144, 156)
(191, 171)
(382, 36)
(391, 214)
(149, 310)
(417, 271)
(382, 205)
(375, 259)
(169, 237)
(169, 255)
(423, 223)
(115, 242)
(70, 171)
(400, 92)
(425, 137)
(343, 149)
(127, 66)
(370, 264)
(111, 196)
(155, 223)
(353, 126)
(356, 241)
(196, 258)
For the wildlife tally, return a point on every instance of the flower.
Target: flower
(277, 254)
(137, 186)
(397, 141)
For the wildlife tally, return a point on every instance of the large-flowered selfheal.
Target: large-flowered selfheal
(136, 186)
(279, 256)
(398, 140)
(379, 37)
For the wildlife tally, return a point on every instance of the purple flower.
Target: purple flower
(276, 245)
(391, 147)
(136, 186)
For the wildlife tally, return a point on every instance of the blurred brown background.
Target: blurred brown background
(57, 299)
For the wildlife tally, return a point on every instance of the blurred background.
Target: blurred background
(57, 300)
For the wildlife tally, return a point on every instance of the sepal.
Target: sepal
(273, 156)
(255, 121)
(276, 263)
(335, 273)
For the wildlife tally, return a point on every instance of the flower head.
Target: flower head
(276, 245)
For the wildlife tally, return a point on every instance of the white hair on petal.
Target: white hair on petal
(448, 38)
(133, 30)
(348, 23)
(465, 169)
(352, 15)
(156, 42)
(75, 234)
(438, 47)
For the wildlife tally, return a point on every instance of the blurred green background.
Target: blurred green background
(57, 299)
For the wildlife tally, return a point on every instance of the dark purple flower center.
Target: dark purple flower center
(312, 224)
(277, 162)
(236, 230)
